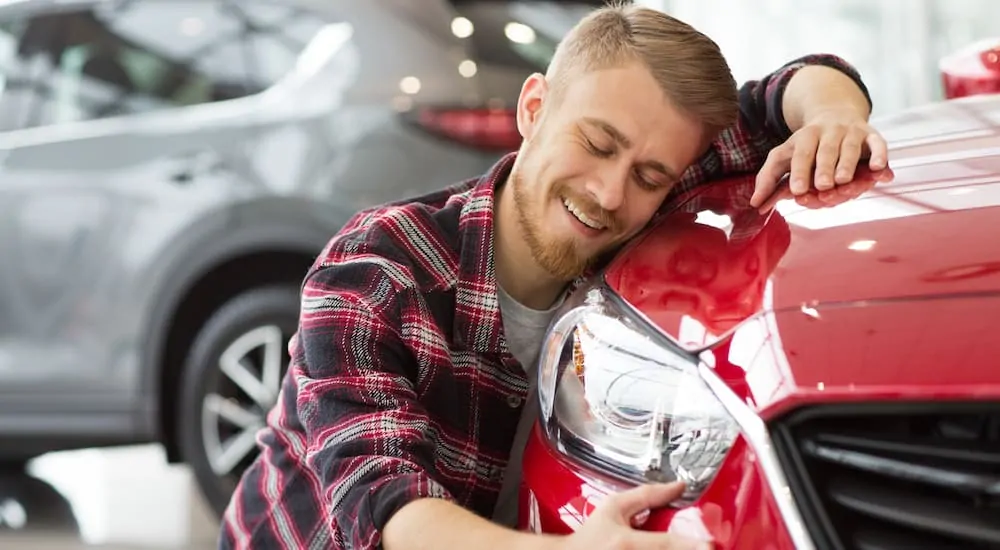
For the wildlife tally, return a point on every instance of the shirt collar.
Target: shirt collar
(478, 325)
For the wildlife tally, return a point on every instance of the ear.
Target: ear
(529, 105)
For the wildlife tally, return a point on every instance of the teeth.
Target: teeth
(584, 219)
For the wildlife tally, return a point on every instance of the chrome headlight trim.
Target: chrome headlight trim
(755, 432)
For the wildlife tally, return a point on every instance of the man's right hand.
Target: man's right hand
(611, 526)
(431, 523)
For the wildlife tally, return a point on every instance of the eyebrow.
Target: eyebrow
(627, 143)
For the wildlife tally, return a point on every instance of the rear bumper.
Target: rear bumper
(737, 511)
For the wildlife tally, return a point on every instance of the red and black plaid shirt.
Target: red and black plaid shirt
(401, 385)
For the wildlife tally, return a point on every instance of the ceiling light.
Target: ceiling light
(467, 68)
(462, 27)
(519, 33)
(862, 246)
(409, 85)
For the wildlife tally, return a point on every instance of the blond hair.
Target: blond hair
(688, 66)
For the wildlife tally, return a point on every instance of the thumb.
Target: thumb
(771, 174)
(626, 505)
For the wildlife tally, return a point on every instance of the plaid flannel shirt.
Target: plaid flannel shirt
(401, 385)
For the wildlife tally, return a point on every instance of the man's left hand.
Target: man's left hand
(835, 157)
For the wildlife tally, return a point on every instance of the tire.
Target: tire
(245, 328)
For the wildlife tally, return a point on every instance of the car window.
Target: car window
(143, 56)
(518, 34)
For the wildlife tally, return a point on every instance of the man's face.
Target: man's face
(597, 161)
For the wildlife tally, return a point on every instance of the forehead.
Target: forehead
(629, 99)
(629, 84)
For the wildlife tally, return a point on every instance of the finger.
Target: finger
(781, 194)
(879, 156)
(627, 504)
(850, 153)
(769, 177)
(802, 163)
(826, 158)
(666, 541)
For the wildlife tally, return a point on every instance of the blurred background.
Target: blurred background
(896, 44)
(170, 168)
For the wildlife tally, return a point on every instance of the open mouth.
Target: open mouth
(582, 217)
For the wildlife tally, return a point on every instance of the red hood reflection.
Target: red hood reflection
(687, 271)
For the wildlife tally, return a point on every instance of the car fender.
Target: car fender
(263, 225)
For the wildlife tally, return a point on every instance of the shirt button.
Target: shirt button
(513, 401)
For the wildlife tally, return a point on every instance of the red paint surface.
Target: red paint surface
(972, 71)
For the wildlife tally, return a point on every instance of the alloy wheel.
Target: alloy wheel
(233, 412)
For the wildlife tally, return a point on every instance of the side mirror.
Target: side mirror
(974, 70)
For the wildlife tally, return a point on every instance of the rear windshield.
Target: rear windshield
(521, 34)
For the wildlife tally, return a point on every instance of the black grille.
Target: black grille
(895, 476)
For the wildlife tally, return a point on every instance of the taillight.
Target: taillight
(488, 129)
(972, 71)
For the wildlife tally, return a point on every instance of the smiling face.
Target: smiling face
(598, 159)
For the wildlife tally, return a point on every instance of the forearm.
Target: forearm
(817, 89)
(427, 524)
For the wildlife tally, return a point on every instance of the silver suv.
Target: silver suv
(170, 168)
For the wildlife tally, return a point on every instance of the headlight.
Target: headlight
(619, 397)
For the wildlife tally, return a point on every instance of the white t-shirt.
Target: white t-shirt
(524, 329)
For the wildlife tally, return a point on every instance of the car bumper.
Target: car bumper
(737, 511)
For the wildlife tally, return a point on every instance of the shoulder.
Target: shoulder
(406, 245)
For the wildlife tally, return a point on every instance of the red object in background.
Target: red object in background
(972, 71)
(863, 337)
(482, 128)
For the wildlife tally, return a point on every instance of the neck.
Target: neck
(517, 271)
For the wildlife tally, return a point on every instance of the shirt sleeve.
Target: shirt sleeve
(760, 127)
(367, 435)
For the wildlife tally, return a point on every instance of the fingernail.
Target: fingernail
(843, 176)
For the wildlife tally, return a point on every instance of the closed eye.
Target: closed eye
(651, 184)
(597, 151)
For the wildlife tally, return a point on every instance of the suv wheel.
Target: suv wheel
(231, 381)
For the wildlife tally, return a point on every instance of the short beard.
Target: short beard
(558, 257)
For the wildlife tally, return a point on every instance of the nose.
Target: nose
(608, 186)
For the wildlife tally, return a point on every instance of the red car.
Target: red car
(824, 379)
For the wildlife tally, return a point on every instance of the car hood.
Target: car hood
(696, 280)
(895, 288)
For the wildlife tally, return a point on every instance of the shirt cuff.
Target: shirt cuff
(778, 82)
(390, 495)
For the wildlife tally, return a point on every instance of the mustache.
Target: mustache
(589, 207)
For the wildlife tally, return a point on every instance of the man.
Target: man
(402, 419)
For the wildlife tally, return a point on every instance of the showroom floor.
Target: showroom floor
(117, 499)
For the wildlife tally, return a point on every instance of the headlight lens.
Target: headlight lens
(615, 395)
